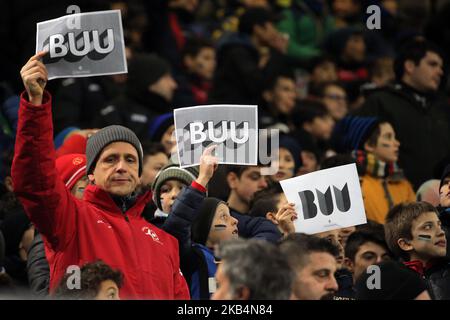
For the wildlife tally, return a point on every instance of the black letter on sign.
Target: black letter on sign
(309, 208)
(325, 201)
(342, 198)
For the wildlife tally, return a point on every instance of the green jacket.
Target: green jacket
(306, 32)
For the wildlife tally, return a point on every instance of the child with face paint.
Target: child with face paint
(375, 148)
(212, 225)
(414, 233)
(199, 223)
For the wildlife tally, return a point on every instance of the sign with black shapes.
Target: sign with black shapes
(326, 199)
(232, 128)
(92, 46)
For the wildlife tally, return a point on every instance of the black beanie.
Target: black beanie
(97, 142)
(146, 69)
(202, 222)
(397, 282)
(445, 174)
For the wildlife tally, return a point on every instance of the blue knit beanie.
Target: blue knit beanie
(159, 125)
(352, 132)
(294, 148)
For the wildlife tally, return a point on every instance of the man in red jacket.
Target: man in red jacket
(107, 223)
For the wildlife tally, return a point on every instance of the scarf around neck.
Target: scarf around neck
(377, 168)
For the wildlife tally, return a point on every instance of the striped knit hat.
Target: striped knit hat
(172, 172)
(97, 142)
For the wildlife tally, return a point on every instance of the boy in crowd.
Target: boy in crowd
(375, 149)
(365, 248)
(314, 125)
(98, 281)
(278, 101)
(334, 97)
(244, 182)
(414, 233)
(199, 60)
(211, 225)
(155, 158)
(272, 204)
(168, 184)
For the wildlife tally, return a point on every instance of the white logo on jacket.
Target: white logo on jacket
(101, 221)
(149, 232)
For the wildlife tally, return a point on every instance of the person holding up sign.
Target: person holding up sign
(107, 224)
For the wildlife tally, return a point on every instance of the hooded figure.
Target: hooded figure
(397, 282)
(149, 91)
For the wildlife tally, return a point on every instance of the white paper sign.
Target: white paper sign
(92, 46)
(233, 128)
(327, 199)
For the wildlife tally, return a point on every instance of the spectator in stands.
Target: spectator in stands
(376, 150)
(314, 263)
(243, 58)
(414, 233)
(114, 164)
(421, 116)
(241, 277)
(98, 281)
(149, 93)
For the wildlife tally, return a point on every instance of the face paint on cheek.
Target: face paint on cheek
(424, 237)
(385, 145)
(220, 227)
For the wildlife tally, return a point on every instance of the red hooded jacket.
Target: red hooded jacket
(79, 231)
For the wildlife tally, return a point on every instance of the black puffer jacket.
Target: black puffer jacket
(421, 124)
(438, 281)
(38, 268)
(436, 275)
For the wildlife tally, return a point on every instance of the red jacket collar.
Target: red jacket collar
(418, 266)
(100, 198)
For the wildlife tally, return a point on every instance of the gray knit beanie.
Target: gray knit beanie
(172, 172)
(97, 142)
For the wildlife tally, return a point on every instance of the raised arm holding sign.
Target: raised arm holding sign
(92, 45)
(34, 76)
(108, 223)
(326, 199)
(233, 129)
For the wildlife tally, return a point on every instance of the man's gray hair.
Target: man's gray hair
(257, 265)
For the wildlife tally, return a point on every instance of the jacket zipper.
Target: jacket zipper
(124, 209)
